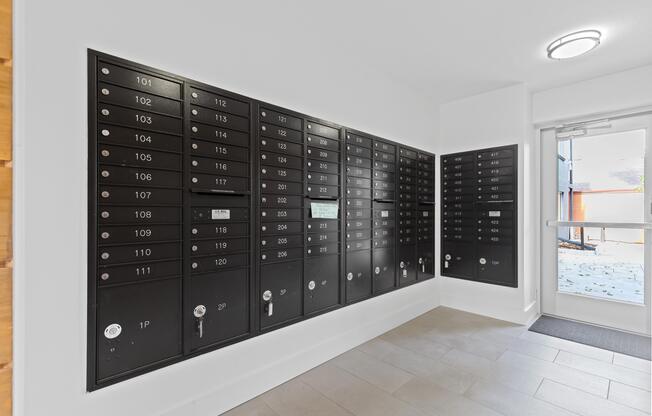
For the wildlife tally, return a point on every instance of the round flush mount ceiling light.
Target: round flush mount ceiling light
(574, 44)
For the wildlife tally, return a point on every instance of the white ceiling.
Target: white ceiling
(452, 49)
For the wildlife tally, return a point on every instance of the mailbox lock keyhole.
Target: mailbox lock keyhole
(269, 305)
(199, 312)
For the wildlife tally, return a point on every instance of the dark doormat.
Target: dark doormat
(608, 339)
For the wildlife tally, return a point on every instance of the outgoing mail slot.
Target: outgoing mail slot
(321, 284)
(358, 172)
(384, 270)
(135, 196)
(218, 118)
(357, 224)
(322, 250)
(320, 225)
(283, 283)
(137, 272)
(281, 133)
(384, 195)
(496, 264)
(496, 154)
(495, 239)
(283, 214)
(494, 163)
(281, 241)
(457, 159)
(404, 161)
(322, 143)
(358, 151)
(320, 154)
(138, 234)
(323, 131)
(358, 273)
(139, 215)
(358, 140)
(358, 214)
(358, 203)
(280, 174)
(411, 154)
(219, 183)
(283, 161)
(137, 118)
(219, 230)
(496, 172)
(138, 80)
(285, 254)
(322, 238)
(274, 228)
(219, 214)
(496, 197)
(226, 245)
(281, 147)
(280, 119)
(386, 166)
(218, 134)
(224, 167)
(384, 147)
(215, 263)
(495, 180)
(458, 259)
(114, 175)
(277, 187)
(383, 176)
(383, 232)
(287, 201)
(383, 185)
(385, 157)
(322, 178)
(324, 167)
(124, 136)
(323, 191)
(358, 162)
(138, 253)
(220, 151)
(358, 193)
(112, 94)
(358, 235)
(225, 296)
(358, 182)
(149, 316)
(218, 102)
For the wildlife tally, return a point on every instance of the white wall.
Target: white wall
(496, 118)
(222, 43)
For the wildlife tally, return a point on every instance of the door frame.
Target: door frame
(603, 312)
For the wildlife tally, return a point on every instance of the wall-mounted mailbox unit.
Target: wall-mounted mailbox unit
(214, 217)
(479, 193)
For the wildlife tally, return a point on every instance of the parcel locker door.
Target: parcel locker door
(280, 292)
(358, 275)
(425, 261)
(384, 270)
(321, 287)
(496, 264)
(138, 325)
(458, 260)
(407, 265)
(222, 300)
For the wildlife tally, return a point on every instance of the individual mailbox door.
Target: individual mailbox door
(407, 265)
(224, 300)
(138, 325)
(321, 289)
(280, 293)
(358, 275)
(384, 270)
(458, 259)
(496, 264)
(124, 136)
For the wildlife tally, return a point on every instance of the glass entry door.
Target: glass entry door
(597, 237)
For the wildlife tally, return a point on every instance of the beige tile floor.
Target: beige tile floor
(452, 363)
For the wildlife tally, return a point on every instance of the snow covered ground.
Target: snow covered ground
(613, 271)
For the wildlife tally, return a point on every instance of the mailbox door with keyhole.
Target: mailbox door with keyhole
(321, 289)
(225, 300)
(425, 261)
(358, 275)
(384, 270)
(138, 325)
(281, 293)
(496, 264)
(458, 260)
(407, 265)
